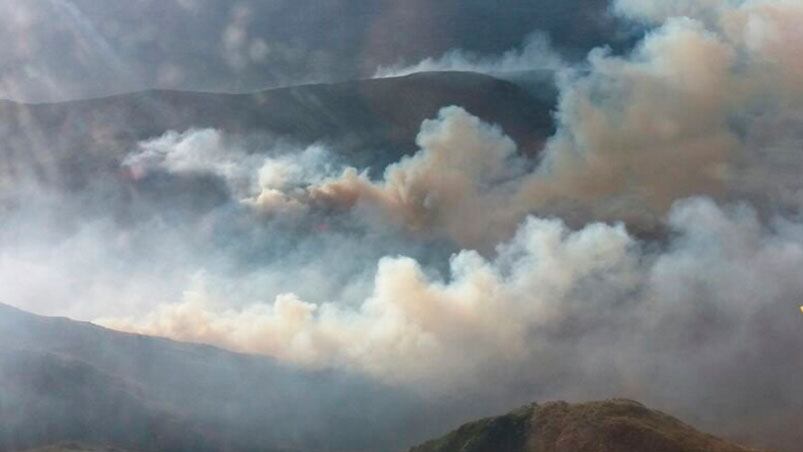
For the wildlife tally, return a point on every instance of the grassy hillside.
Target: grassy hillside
(609, 426)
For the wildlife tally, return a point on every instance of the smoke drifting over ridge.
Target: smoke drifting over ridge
(697, 131)
(536, 54)
(676, 118)
(67, 49)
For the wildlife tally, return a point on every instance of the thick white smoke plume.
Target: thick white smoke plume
(596, 302)
(268, 183)
(678, 117)
(545, 275)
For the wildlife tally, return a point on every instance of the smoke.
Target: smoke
(675, 118)
(536, 54)
(266, 182)
(697, 109)
(468, 268)
(657, 12)
(412, 324)
(554, 305)
(638, 132)
(464, 168)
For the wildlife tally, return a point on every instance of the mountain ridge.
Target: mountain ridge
(604, 426)
(371, 122)
(71, 385)
(74, 381)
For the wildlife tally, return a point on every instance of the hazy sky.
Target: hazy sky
(62, 49)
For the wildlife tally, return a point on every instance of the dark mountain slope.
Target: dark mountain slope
(62, 380)
(179, 43)
(370, 122)
(49, 397)
(73, 384)
(610, 426)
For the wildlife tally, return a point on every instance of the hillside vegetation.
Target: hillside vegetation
(609, 426)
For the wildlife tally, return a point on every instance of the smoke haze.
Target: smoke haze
(651, 250)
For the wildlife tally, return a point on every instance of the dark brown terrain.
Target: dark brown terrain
(609, 426)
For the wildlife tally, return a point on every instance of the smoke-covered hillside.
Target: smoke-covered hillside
(369, 122)
(472, 229)
(64, 380)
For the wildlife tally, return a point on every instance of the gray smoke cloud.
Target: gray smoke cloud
(468, 268)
